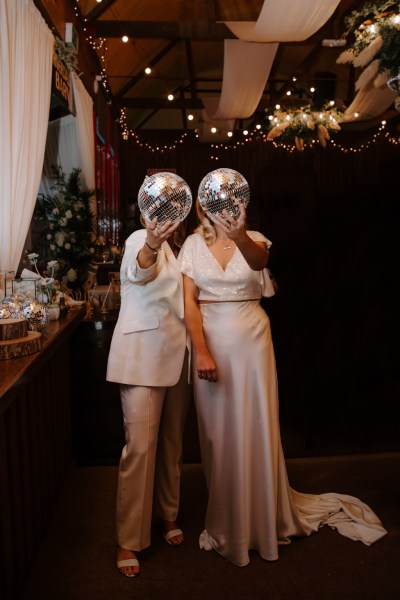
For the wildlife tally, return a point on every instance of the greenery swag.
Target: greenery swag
(374, 37)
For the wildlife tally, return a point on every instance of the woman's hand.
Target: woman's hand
(157, 234)
(233, 227)
(206, 367)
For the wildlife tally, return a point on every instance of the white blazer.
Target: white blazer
(149, 339)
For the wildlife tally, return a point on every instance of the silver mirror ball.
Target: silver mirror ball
(223, 189)
(165, 196)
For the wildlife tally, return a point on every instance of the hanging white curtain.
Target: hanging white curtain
(85, 130)
(208, 121)
(248, 60)
(26, 52)
(371, 101)
(285, 21)
(246, 70)
(62, 149)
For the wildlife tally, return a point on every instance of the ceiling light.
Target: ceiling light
(125, 38)
(213, 130)
(147, 70)
(170, 97)
(190, 117)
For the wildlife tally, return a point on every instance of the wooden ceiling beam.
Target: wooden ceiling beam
(98, 10)
(160, 103)
(152, 62)
(161, 29)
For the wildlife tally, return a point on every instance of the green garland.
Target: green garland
(380, 14)
(68, 55)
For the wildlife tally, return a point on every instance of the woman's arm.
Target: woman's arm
(205, 364)
(256, 254)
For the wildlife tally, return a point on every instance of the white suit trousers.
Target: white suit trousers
(151, 460)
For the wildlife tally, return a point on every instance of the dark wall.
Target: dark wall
(333, 218)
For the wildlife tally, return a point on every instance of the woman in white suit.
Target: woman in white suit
(148, 358)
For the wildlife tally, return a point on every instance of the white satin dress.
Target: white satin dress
(251, 505)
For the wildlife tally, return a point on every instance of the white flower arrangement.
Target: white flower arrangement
(376, 42)
(67, 228)
(304, 124)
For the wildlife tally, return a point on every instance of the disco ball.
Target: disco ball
(38, 315)
(6, 312)
(165, 196)
(223, 189)
(21, 306)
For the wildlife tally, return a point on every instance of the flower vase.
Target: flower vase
(54, 311)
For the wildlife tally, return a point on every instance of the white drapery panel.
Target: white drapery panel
(62, 149)
(371, 101)
(285, 21)
(248, 60)
(26, 52)
(246, 70)
(85, 130)
(207, 121)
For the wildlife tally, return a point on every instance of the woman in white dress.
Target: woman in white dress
(250, 502)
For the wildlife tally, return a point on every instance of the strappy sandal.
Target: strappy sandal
(170, 534)
(128, 562)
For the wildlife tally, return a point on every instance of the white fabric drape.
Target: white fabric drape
(371, 101)
(26, 51)
(62, 148)
(248, 60)
(285, 21)
(207, 121)
(85, 129)
(246, 69)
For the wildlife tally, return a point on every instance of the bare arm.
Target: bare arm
(205, 364)
(256, 254)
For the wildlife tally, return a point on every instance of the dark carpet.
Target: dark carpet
(77, 559)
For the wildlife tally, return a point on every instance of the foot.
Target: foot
(127, 562)
(172, 534)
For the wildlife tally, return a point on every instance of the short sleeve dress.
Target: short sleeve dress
(250, 502)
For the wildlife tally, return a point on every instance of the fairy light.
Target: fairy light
(125, 39)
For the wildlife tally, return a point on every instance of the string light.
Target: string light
(254, 136)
